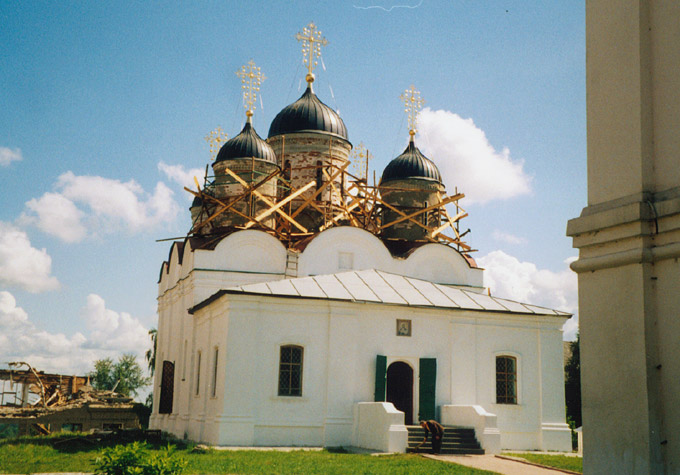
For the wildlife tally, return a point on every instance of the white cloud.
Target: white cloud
(109, 333)
(57, 215)
(11, 316)
(508, 238)
(22, 265)
(161, 207)
(120, 201)
(112, 330)
(183, 177)
(467, 160)
(7, 156)
(86, 205)
(507, 277)
(570, 328)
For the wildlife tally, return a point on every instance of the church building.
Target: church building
(309, 308)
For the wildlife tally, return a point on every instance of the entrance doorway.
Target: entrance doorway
(400, 389)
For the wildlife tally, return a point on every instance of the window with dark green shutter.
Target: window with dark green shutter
(426, 387)
(506, 380)
(380, 378)
(167, 388)
(290, 371)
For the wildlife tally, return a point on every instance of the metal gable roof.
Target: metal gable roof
(374, 286)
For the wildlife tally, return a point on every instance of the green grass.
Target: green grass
(323, 462)
(31, 458)
(31, 455)
(575, 464)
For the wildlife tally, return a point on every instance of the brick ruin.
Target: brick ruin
(37, 403)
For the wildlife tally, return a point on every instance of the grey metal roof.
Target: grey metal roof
(376, 286)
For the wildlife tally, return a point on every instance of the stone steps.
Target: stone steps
(456, 440)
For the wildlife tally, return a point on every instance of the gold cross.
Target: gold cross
(312, 41)
(251, 79)
(413, 103)
(215, 139)
(361, 157)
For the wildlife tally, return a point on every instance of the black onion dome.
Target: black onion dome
(411, 164)
(308, 114)
(246, 144)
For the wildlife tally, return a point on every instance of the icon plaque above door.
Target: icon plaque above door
(403, 327)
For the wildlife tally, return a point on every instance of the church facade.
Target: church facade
(306, 308)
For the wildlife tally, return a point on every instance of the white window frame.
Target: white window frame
(302, 369)
(518, 382)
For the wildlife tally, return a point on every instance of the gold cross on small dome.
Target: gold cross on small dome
(251, 80)
(215, 140)
(360, 159)
(413, 103)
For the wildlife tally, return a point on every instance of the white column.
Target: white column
(629, 239)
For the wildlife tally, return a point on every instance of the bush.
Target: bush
(165, 462)
(135, 459)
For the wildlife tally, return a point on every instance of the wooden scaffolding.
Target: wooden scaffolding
(352, 202)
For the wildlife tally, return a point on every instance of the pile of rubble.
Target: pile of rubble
(33, 402)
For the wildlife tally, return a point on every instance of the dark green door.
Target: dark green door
(380, 378)
(428, 383)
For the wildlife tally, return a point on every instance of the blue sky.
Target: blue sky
(95, 96)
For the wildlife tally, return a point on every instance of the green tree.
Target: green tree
(102, 376)
(150, 354)
(125, 375)
(150, 357)
(572, 383)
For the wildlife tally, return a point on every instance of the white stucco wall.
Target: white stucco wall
(442, 264)
(629, 239)
(247, 251)
(341, 341)
(348, 248)
(244, 257)
(344, 248)
(484, 423)
(251, 256)
(379, 426)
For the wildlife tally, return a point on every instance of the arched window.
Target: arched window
(424, 216)
(184, 361)
(290, 371)
(167, 388)
(506, 380)
(214, 373)
(319, 175)
(284, 186)
(198, 373)
(286, 170)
